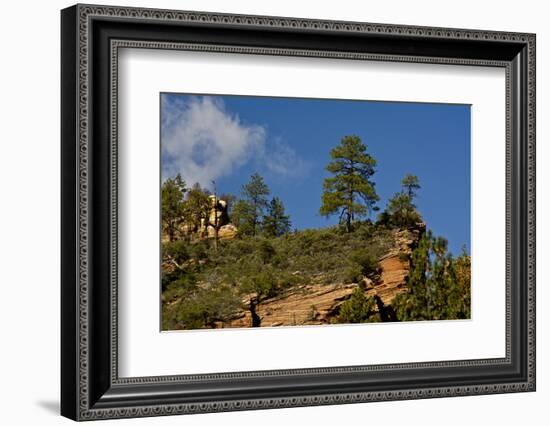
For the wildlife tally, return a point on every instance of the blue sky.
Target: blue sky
(288, 141)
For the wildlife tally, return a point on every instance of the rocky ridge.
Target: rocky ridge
(315, 304)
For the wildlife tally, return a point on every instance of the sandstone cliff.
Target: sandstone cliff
(314, 303)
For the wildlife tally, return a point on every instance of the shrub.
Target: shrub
(366, 260)
(403, 257)
(358, 308)
(352, 274)
(238, 248)
(178, 282)
(265, 250)
(205, 307)
(263, 283)
(199, 250)
(177, 250)
(400, 212)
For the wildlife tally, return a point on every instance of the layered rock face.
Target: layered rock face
(304, 305)
(315, 304)
(395, 265)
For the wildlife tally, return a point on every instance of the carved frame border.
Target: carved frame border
(84, 14)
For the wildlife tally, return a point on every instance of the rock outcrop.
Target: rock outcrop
(218, 217)
(218, 214)
(314, 304)
(306, 304)
(226, 232)
(395, 265)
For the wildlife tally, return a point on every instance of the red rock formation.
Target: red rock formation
(314, 304)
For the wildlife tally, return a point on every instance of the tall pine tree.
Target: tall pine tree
(276, 222)
(172, 205)
(350, 191)
(255, 194)
(438, 284)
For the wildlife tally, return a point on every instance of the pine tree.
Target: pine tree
(410, 184)
(197, 207)
(242, 216)
(172, 205)
(255, 194)
(438, 284)
(351, 190)
(400, 210)
(276, 222)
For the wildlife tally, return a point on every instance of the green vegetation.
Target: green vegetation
(350, 192)
(172, 193)
(401, 211)
(438, 283)
(196, 208)
(410, 185)
(250, 209)
(208, 280)
(276, 222)
(263, 266)
(359, 308)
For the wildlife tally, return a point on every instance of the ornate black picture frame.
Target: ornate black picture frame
(91, 388)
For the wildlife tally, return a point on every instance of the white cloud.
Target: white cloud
(203, 141)
(280, 159)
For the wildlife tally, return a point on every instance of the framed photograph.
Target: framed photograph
(263, 212)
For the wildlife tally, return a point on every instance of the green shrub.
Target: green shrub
(265, 250)
(352, 274)
(203, 308)
(358, 308)
(238, 248)
(366, 260)
(263, 283)
(177, 283)
(200, 250)
(403, 257)
(177, 250)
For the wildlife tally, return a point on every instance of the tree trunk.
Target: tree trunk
(256, 320)
(216, 226)
(216, 238)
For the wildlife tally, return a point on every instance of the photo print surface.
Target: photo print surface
(312, 212)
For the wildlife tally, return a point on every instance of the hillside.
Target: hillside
(231, 261)
(307, 277)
